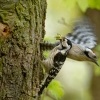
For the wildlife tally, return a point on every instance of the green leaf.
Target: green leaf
(97, 4)
(83, 4)
(92, 3)
(70, 3)
(55, 90)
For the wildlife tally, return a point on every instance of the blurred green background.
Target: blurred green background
(76, 80)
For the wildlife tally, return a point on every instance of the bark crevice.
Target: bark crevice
(21, 70)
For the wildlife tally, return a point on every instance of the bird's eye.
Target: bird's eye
(86, 53)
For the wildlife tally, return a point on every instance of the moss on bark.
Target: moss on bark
(20, 53)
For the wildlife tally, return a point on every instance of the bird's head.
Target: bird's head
(91, 55)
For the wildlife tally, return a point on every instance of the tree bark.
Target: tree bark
(22, 25)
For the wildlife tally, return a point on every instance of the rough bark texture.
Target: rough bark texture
(22, 29)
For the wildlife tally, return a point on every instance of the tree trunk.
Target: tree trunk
(94, 15)
(22, 25)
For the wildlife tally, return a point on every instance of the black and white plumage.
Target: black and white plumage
(76, 45)
(45, 45)
(83, 40)
(83, 34)
(55, 61)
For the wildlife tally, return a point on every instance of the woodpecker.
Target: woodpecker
(55, 61)
(83, 41)
(77, 45)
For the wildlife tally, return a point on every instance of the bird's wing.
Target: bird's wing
(83, 34)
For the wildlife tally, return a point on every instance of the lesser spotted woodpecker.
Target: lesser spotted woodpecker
(83, 41)
(55, 61)
(76, 45)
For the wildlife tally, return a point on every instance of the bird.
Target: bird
(55, 62)
(77, 45)
(83, 40)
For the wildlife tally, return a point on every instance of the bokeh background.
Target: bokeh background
(76, 80)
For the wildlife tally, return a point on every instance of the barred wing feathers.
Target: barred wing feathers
(83, 34)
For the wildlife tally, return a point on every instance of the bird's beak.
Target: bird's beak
(96, 63)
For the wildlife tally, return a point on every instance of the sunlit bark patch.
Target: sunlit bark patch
(4, 30)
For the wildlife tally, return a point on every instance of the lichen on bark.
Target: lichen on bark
(20, 55)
